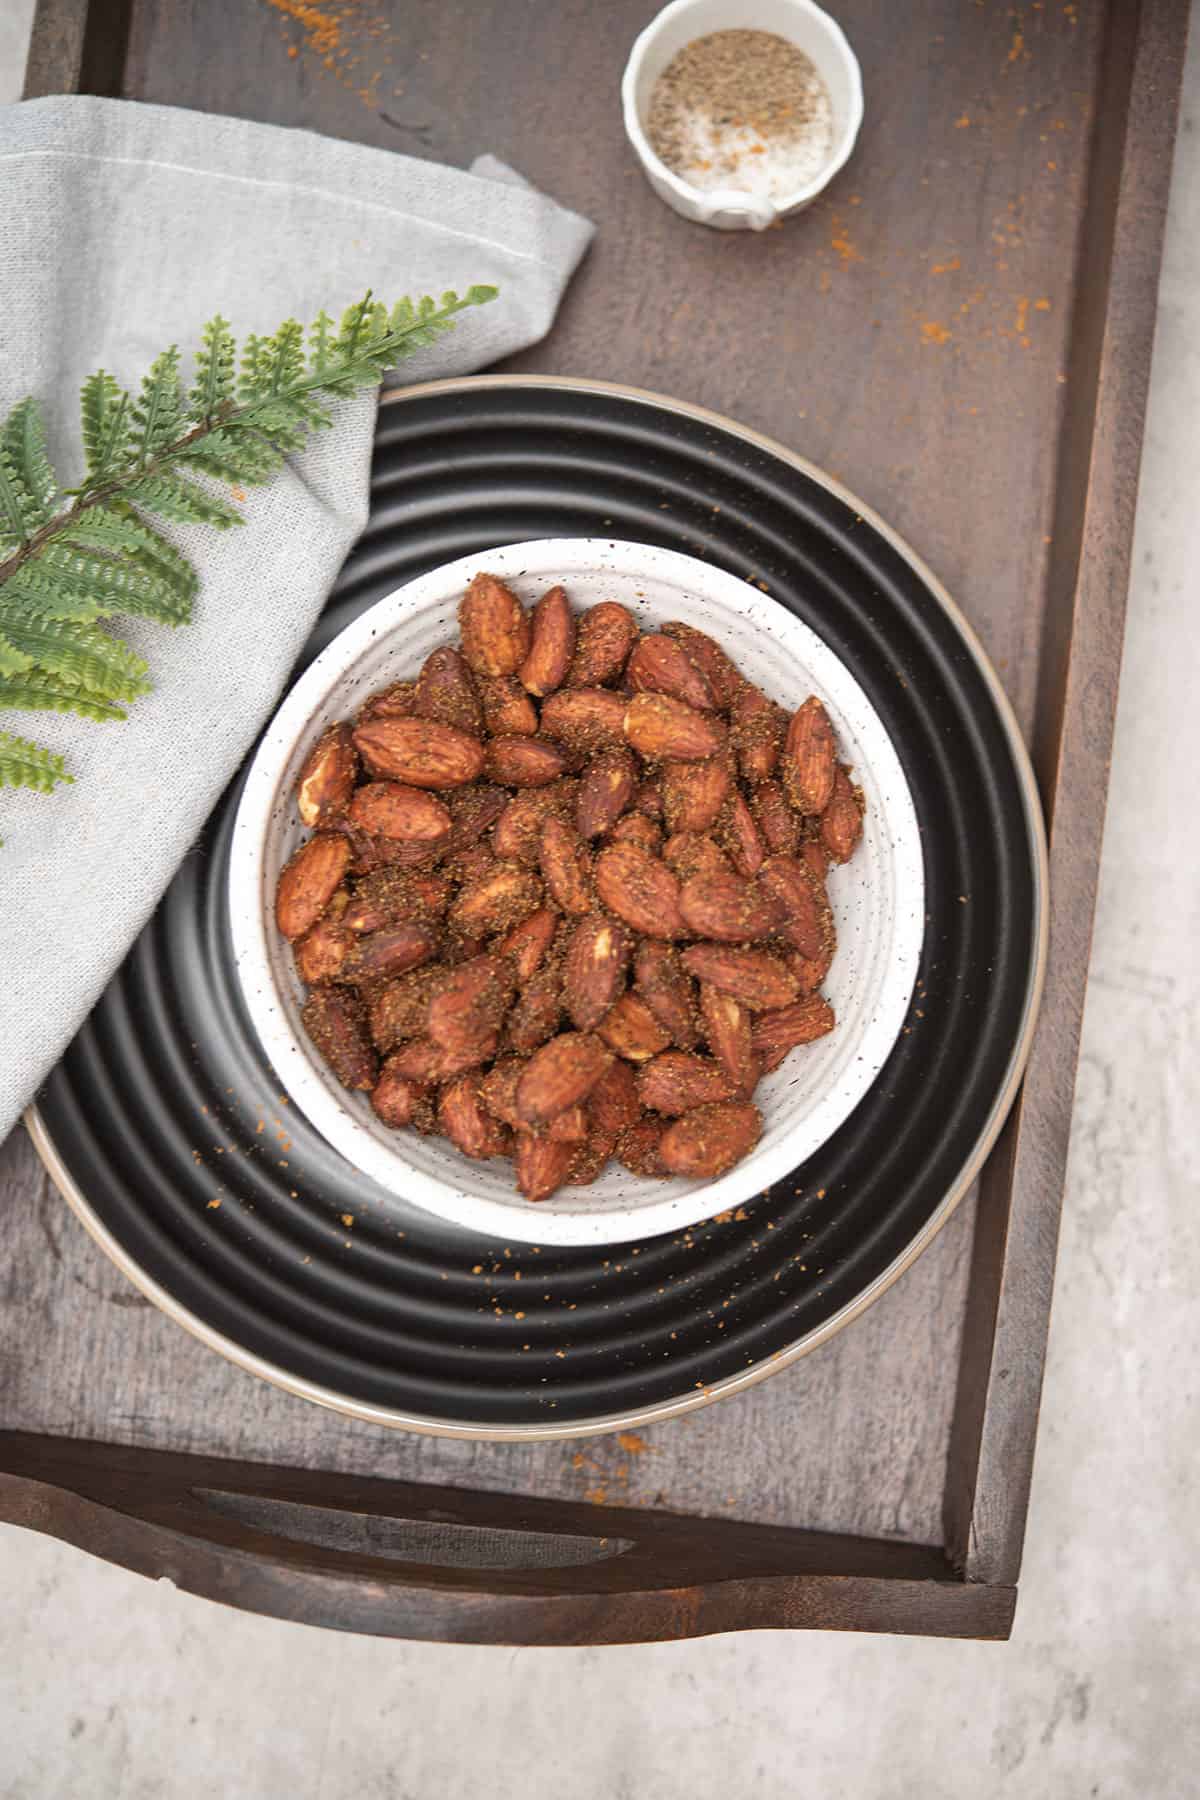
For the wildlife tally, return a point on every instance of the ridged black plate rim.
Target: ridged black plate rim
(58, 1164)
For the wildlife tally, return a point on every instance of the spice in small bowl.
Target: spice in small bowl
(741, 114)
(744, 110)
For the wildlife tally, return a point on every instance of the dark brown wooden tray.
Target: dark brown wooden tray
(961, 332)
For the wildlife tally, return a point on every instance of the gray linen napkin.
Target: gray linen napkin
(122, 229)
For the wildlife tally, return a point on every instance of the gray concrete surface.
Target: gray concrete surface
(113, 1687)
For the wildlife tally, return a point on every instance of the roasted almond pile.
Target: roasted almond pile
(565, 894)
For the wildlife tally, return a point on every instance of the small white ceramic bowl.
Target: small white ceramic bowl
(803, 24)
(877, 898)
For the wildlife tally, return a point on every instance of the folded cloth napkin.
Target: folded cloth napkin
(124, 228)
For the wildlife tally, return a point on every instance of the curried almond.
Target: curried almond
(754, 977)
(691, 855)
(807, 919)
(470, 865)
(648, 799)
(777, 823)
(585, 718)
(638, 1149)
(388, 895)
(497, 901)
(507, 708)
(639, 889)
(605, 791)
(524, 762)
(675, 1081)
(569, 1126)
(395, 702)
(757, 728)
(389, 809)
(518, 833)
(631, 1030)
(399, 1009)
(658, 665)
(739, 835)
(694, 793)
(397, 1097)
(421, 752)
(552, 644)
(309, 882)
(538, 1011)
(666, 730)
(809, 758)
(498, 1089)
(590, 1158)
(710, 1140)
(605, 634)
(809, 971)
(542, 1165)
(720, 674)
(328, 776)
(802, 1022)
(335, 1020)
(393, 950)
(446, 692)
(815, 858)
(467, 1123)
(560, 1073)
(727, 1028)
(636, 828)
(594, 969)
(727, 908)
(613, 1103)
(320, 953)
(841, 822)
(424, 1061)
(473, 811)
(668, 992)
(494, 627)
(565, 867)
(469, 1005)
(528, 942)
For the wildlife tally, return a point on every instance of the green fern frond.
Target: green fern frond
(27, 765)
(38, 692)
(102, 555)
(23, 453)
(82, 656)
(158, 411)
(104, 412)
(104, 583)
(321, 354)
(13, 660)
(117, 527)
(213, 386)
(182, 501)
(240, 455)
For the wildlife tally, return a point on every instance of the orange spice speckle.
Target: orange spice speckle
(934, 332)
(961, 124)
(946, 268)
(632, 1442)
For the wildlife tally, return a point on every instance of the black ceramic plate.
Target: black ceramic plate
(165, 1127)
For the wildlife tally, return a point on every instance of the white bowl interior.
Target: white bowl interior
(877, 898)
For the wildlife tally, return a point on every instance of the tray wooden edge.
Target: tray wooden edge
(990, 1462)
(670, 1577)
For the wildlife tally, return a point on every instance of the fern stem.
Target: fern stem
(310, 382)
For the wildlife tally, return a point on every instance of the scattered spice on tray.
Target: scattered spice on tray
(742, 109)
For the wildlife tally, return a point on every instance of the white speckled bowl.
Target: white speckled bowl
(877, 898)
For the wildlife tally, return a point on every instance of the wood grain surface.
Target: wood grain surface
(960, 332)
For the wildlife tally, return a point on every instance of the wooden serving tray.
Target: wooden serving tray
(961, 332)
